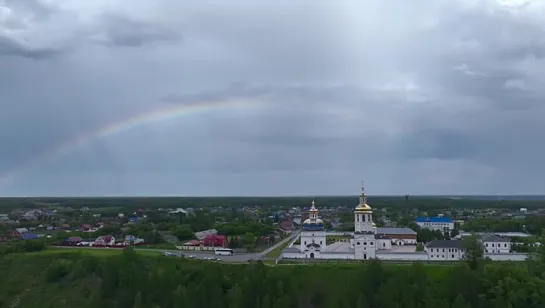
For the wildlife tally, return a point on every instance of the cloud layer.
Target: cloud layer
(414, 97)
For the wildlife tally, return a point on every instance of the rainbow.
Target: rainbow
(127, 124)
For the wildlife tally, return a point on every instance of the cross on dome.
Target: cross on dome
(313, 207)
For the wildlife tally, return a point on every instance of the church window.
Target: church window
(305, 242)
(358, 243)
(363, 218)
(443, 249)
(371, 243)
(357, 218)
(320, 242)
(453, 256)
(383, 244)
(364, 243)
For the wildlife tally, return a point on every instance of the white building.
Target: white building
(443, 224)
(364, 230)
(366, 242)
(313, 238)
(444, 250)
(495, 244)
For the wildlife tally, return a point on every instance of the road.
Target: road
(237, 258)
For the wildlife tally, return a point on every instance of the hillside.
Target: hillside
(70, 280)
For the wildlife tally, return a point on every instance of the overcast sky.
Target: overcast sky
(304, 97)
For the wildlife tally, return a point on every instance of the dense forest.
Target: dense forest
(130, 280)
(286, 202)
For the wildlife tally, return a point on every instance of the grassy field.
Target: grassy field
(275, 253)
(94, 251)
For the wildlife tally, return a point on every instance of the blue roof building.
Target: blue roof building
(443, 224)
(434, 219)
(29, 236)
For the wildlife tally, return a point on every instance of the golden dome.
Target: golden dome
(363, 208)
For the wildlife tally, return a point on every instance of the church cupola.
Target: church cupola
(363, 215)
(313, 223)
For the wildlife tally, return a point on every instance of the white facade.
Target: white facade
(445, 252)
(437, 224)
(313, 237)
(362, 244)
(497, 247)
(368, 242)
(365, 246)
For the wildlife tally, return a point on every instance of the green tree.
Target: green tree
(420, 247)
(138, 301)
(473, 251)
(183, 233)
(454, 233)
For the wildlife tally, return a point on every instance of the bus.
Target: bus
(223, 251)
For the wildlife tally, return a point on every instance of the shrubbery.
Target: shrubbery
(130, 280)
(58, 269)
(22, 246)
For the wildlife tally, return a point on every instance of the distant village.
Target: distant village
(251, 228)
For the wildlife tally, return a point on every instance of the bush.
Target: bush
(58, 269)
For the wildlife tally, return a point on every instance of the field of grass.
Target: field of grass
(99, 252)
(275, 253)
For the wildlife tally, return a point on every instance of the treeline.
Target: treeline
(530, 224)
(130, 280)
(285, 202)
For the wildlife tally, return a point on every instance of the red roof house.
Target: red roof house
(215, 240)
(193, 243)
(85, 227)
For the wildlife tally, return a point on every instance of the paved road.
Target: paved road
(237, 258)
(242, 257)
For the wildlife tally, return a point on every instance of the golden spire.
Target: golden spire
(363, 207)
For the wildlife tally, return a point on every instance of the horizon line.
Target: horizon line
(278, 196)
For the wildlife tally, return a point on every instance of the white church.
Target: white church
(369, 242)
(366, 242)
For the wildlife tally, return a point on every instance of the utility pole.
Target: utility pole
(406, 205)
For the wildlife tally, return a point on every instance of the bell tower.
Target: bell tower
(363, 215)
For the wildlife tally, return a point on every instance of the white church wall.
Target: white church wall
(292, 255)
(406, 256)
(385, 244)
(337, 256)
(507, 256)
(334, 233)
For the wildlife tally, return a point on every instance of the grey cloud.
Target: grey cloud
(121, 30)
(11, 48)
(420, 97)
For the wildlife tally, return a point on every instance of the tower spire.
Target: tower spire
(363, 197)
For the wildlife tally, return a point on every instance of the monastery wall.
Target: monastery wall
(405, 256)
(507, 256)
